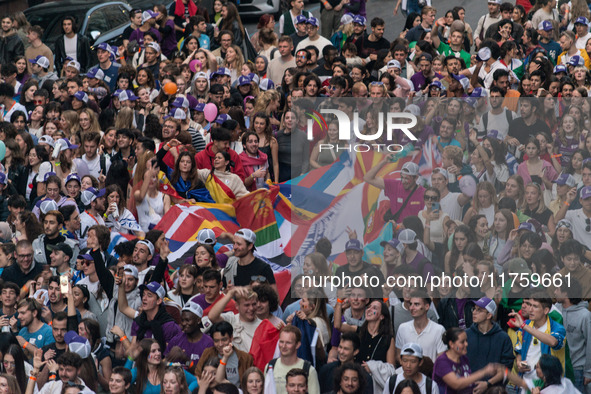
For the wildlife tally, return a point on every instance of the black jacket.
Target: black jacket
(84, 54)
(11, 46)
(448, 312)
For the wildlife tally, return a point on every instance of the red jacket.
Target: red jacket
(204, 159)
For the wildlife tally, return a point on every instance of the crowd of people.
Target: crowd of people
(98, 143)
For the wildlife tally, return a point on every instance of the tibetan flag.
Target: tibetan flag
(166, 187)
(183, 221)
(219, 191)
(255, 211)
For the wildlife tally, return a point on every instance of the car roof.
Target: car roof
(72, 5)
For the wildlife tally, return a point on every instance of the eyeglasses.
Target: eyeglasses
(430, 198)
(38, 102)
(24, 256)
(588, 223)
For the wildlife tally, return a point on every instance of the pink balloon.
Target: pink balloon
(194, 64)
(210, 111)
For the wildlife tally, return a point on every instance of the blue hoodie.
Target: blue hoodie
(493, 347)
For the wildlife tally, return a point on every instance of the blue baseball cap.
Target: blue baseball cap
(560, 68)
(313, 21)
(244, 80)
(545, 25)
(301, 19)
(353, 244)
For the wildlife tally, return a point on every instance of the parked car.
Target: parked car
(99, 21)
(256, 8)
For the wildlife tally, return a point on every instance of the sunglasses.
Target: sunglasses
(431, 198)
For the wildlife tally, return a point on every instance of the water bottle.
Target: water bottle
(406, 150)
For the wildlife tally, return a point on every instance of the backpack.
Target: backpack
(306, 366)
(428, 384)
(485, 119)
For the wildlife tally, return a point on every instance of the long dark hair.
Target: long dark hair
(385, 327)
(142, 364)
(176, 173)
(551, 369)
(19, 365)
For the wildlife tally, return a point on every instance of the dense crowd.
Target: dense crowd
(97, 143)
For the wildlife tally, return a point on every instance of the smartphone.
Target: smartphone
(64, 284)
(435, 206)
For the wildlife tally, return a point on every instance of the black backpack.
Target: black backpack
(306, 366)
(428, 384)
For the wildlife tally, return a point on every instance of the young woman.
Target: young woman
(204, 257)
(535, 207)
(90, 329)
(120, 381)
(220, 174)
(376, 335)
(268, 305)
(568, 139)
(15, 364)
(433, 219)
(81, 295)
(231, 21)
(14, 166)
(326, 156)
(22, 73)
(484, 203)
(479, 226)
(564, 232)
(27, 93)
(36, 120)
(253, 381)
(184, 176)
(261, 125)
(27, 227)
(151, 204)
(234, 61)
(174, 381)
(514, 189)
(451, 370)
(118, 217)
(37, 156)
(461, 237)
(62, 158)
(502, 226)
(187, 285)
(10, 385)
(313, 307)
(315, 265)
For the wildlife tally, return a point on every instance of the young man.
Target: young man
(399, 191)
(243, 265)
(212, 284)
(245, 322)
(129, 286)
(125, 151)
(578, 218)
(11, 44)
(191, 339)
(288, 20)
(485, 21)
(10, 105)
(34, 334)
(152, 59)
(296, 381)
(421, 330)
(356, 267)
(68, 365)
(369, 45)
(521, 129)
(153, 311)
(427, 19)
(98, 165)
(106, 55)
(142, 256)
(290, 339)
(72, 45)
(60, 257)
(411, 359)
(37, 47)
(220, 141)
(570, 254)
(347, 351)
(577, 321)
(300, 33)
(9, 297)
(547, 12)
(255, 162)
(53, 221)
(570, 50)
(285, 60)
(237, 361)
(59, 328)
(539, 335)
(94, 201)
(487, 342)
(455, 46)
(25, 269)
(314, 38)
(546, 39)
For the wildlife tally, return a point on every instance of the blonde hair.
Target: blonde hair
(94, 124)
(488, 187)
(238, 62)
(562, 133)
(264, 100)
(124, 119)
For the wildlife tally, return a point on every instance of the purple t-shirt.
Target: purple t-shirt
(417, 262)
(192, 349)
(169, 42)
(170, 330)
(443, 366)
(396, 194)
(138, 36)
(419, 81)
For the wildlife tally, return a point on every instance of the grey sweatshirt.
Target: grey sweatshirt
(577, 322)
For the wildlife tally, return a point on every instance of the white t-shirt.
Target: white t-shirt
(71, 45)
(400, 377)
(94, 165)
(534, 352)
(450, 205)
(578, 219)
(150, 211)
(319, 43)
(243, 331)
(496, 122)
(429, 339)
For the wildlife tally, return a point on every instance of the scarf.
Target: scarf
(199, 195)
(179, 8)
(154, 325)
(249, 163)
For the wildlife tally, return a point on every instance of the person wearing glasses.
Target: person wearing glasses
(25, 270)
